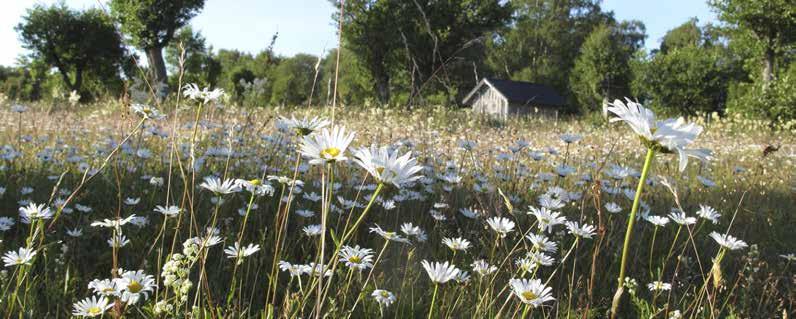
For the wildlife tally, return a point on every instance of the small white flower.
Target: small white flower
(440, 273)
(91, 307)
(326, 146)
(23, 256)
(728, 241)
(671, 135)
(456, 243)
(708, 213)
(531, 291)
(239, 252)
(501, 225)
(659, 286)
(383, 297)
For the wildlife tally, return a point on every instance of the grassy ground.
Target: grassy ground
(76, 160)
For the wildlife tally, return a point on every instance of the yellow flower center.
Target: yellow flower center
(134, 286)
(256, 182)
(94, 310)
(355, 259)
(385, 294)
(331, 152)
(528, 295)
(380, 170)
(107, 290)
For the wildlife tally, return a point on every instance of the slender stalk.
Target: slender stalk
(433, 299)
(629, 231)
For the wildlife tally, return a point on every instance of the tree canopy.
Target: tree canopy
(75, 43)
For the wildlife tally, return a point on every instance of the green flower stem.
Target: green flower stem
(629, 232)
(433, 299)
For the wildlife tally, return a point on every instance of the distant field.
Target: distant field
(106, 162)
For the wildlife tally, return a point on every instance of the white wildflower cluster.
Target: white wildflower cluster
(177, 269)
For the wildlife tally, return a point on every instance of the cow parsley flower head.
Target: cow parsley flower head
(668, 136)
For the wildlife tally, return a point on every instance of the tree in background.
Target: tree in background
(690, 74)
(199, 66)
(151, 24)
(543, 41)
(772, 22)
(293, 79)
(602, 71)
(433, 44)
(369, 29)
(75, 43)
(688, 34)
(355, 85)
(441, 41)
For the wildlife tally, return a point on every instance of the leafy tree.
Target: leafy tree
(355, 85)
(772, 22)
(292, 80)
(152, 24)
(542, 42)
(689, 80)
(426, 41)
(75, 43)
(199, 65)
(601, 71)
(369, 29)
(442, 39)
(686, 35)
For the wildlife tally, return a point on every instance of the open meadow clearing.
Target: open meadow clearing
(213, 212)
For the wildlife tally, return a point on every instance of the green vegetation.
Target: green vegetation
(423, 52)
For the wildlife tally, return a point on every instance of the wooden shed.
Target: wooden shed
(503, 98)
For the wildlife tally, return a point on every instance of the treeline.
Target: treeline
(417, 52)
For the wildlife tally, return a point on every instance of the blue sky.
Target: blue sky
(305, 26)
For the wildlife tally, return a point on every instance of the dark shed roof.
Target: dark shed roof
(524, 93)
(528, 93)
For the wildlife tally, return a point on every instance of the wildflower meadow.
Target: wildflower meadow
(193, 208)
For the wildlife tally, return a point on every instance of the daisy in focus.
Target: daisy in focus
(667, 136)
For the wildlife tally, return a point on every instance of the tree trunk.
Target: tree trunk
(382, 87)
(157, 66)
(768, 65)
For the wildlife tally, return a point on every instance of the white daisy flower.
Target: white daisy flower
(91, 307)
(440, 273)
(326, 146)
(531, 291)
(23, 256)
(728, 241)
(671, 135)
